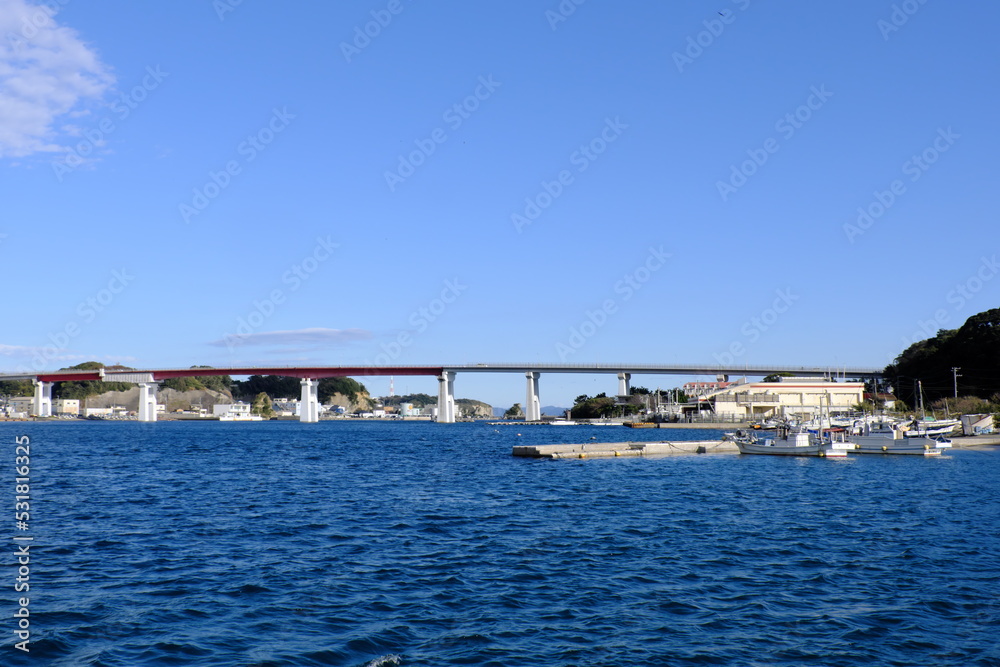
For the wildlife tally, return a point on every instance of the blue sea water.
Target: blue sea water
(351, 543)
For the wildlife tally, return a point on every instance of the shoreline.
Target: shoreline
(958, 441)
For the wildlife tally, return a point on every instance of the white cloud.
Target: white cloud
(17, 350)
(46, 74)
(314, 337)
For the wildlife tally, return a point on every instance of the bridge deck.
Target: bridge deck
(366, 371)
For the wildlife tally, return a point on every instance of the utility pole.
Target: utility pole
(954, 371)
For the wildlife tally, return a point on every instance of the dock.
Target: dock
(611, 449)
(664, 448)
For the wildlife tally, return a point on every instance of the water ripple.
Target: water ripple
(287, 544)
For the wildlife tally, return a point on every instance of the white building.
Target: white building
(235, 412)
(21, 405)
(694, 389)
(792, 396)
(66, 406)
(220, 409)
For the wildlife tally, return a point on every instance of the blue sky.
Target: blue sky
(232, 183)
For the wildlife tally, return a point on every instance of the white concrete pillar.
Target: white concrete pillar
(446, 398)
(309, 407)
(532, 406)
(624, 384)
(42, 404)
(147, 401)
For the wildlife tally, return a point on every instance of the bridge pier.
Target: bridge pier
(309, 407)
(446, 398)
(624, 384)
(147, 401)
(532, 405)
(41, 406)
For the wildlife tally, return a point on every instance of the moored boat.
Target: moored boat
(929, 428)
(895, 442)
(787, 443)
(877, 444)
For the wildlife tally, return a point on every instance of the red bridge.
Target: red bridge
(147, 379)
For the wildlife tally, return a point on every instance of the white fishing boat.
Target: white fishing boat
(894, 441)
(930, 428)
(239, 417)
(787, 443)
(878, 444)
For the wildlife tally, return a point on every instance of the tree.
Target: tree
(262, 406)
(515, 412)
(419, 400)
(974, 348)
(348, 387)
(272, 385)
(220, 383)
(594, 408)
(85, 388)
(17, 388)
(290, 387)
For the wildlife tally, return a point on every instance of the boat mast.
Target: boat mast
(920, 388)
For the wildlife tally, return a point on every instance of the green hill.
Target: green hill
(973, 348)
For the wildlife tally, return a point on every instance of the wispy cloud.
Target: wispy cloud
(311, 338)
(47, 77)
(48, 358)
(17, 350)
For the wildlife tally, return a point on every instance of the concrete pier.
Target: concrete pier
(309, 407)
(611, 449)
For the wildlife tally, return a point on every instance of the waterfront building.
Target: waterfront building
(693, 389)
(66, 406)
(802, 397)
(231, 409)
